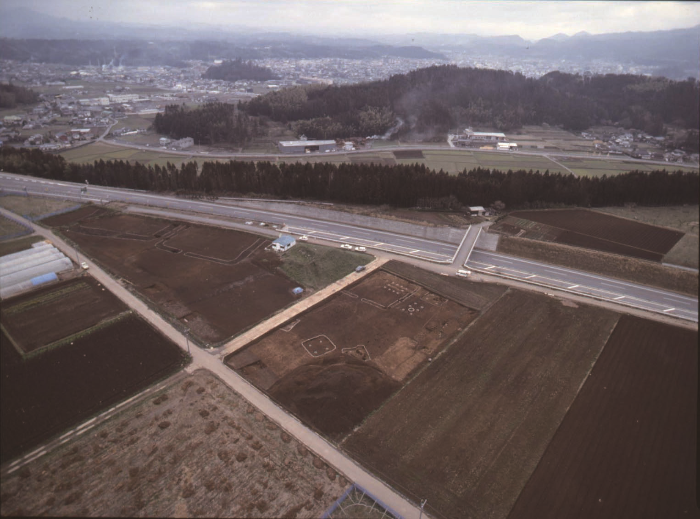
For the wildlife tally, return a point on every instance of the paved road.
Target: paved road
(620, 292)
(323, 229)
(582, 283)
(203, 359)
(450, 145)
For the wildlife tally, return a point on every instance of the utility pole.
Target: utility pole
(422, 504)
(187, 338)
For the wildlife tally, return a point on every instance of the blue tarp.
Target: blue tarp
(51, 276)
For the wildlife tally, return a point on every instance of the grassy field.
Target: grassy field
(20, 244)
(92, 152)
(34, 206)
(452, 161)
(8, 227)
(315, 266)
(599, 167)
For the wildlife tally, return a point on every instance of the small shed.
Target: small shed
(283, 243)
(477, 210)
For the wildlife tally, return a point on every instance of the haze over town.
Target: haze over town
(531, 20)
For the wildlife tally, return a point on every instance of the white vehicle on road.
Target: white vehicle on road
(464, 273)
(360, 249)
(346, 246)
(304, 237)
(84, 266)
(249, 223)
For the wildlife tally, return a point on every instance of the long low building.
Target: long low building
(306, 146)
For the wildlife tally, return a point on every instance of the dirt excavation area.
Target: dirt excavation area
(336, 363)
(469, 430)
(216, 282)
(193, 449)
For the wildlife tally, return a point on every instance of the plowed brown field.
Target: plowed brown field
(593, 230)
(337, 362)
(217, 282)
(468, 431)
(627, 447)
(46, 315)
(48, 393)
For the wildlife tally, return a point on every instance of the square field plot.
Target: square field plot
(468, 431)
(341, 359)
(319, 345)
(42, 317)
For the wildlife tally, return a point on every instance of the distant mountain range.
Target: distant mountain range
(676, 53)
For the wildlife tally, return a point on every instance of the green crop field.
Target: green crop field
(92, 152)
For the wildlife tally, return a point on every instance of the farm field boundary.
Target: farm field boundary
(599, 231)
(338, 361)
(194, 447)
(626, 448)
(46, 394)
(483, 412)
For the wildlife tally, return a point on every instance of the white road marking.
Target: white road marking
(616, 298)
(669, 310)
(531, 276)
(491, 267)
(86, 424)
(573, 286)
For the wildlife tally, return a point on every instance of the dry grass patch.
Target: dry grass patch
(163, 458)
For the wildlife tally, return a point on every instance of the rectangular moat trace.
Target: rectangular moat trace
(338, 361)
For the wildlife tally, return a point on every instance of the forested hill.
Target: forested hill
(234, 70)
(437, 98)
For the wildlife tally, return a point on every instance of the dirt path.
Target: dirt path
(276, 320)
(202, 359)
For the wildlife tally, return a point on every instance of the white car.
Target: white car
(464, 273)
(84, 266)
(346, 246)
(262, 224)
(249, 223)
(360, 249)
(303, 237)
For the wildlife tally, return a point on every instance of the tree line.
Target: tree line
(441, 97)
(398, 186)
(211, 123)
(13, 95)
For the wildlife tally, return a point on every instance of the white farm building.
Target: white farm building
(306, 146)
(283, 243)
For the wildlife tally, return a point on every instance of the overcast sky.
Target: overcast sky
(531, 20)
